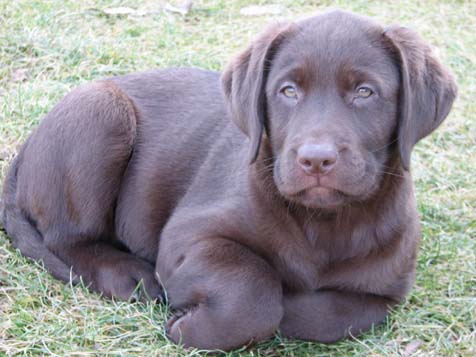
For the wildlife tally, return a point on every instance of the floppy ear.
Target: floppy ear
(244, 81)
(427, 89)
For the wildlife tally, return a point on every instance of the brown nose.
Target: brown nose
(317, 159)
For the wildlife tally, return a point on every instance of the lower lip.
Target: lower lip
(320, 191)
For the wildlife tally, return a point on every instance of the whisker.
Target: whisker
(385, 146)
(392, 174)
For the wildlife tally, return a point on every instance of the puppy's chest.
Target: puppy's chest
(305, 256)
(298, 258)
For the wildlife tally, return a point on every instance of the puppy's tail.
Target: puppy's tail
(23, 233)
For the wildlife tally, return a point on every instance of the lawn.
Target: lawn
(49, 47)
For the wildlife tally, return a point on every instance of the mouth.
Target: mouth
(322, 192)
(316, 187)
(319, 196)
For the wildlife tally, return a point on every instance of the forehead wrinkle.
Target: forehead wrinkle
(378, 72)
(359, 74)
(299, 69)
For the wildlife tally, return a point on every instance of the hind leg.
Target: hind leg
(68, 182)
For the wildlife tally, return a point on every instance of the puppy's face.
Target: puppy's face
(338, 98)
(332, 111)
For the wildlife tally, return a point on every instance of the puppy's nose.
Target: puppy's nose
(317, 159)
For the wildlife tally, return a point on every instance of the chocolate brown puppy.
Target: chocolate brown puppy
(275, 196)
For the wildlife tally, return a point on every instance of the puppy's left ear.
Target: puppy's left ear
(427, 89)
(244, 82)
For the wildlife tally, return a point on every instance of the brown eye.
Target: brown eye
(364, 92)
(289, 92)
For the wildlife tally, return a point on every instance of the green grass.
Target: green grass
(49, 47)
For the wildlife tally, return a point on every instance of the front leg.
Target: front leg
(223, 295)
(329, 315)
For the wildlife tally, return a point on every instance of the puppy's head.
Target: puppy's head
(336, 98)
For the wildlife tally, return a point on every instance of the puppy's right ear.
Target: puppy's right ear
(244, 82)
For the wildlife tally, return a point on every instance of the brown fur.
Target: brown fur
(260, 209)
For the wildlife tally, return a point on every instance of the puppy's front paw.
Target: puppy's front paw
(176, 326)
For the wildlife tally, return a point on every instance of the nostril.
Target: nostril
(326, 163)
(306, 163)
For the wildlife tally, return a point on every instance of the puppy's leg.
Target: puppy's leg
(224, 296)
(65, 185)
(327, 316)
